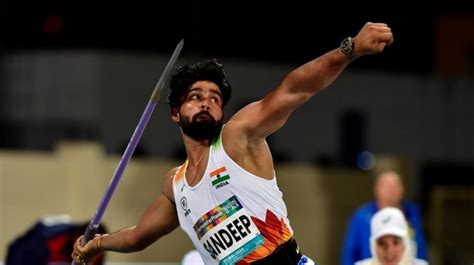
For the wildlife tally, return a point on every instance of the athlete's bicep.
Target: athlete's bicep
(159, 219)
(264, 117)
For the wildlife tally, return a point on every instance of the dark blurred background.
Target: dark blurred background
(289, 31)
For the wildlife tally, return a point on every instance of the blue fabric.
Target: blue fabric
(32, 247)
(357, 240)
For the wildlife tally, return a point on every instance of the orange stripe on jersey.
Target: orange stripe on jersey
(218, 171)
(180, 172)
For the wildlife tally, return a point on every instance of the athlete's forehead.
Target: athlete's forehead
(205, 86)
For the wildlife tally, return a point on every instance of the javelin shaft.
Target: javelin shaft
(94, 224)
(95, 221)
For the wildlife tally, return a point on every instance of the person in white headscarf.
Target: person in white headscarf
(192, 258)
(389, 241)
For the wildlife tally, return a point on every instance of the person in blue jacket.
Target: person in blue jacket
(388, 192)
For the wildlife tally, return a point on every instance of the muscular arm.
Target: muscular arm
(266, 116)
(159, 219)
(245, 133)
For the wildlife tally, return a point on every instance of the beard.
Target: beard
(202, 126)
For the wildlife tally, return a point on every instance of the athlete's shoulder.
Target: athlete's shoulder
(167, 184)
(170, 174)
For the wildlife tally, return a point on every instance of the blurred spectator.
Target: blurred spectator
(192, 258)
(388, 192)
(49, 241)
(389, 241)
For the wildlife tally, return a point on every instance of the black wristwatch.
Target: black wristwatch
(347, 47)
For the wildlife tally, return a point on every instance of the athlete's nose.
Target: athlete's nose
(205, 104)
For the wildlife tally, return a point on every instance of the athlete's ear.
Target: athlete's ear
(175, 114)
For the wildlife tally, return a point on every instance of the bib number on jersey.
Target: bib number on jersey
(227, 232)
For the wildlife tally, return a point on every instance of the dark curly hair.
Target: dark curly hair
(185, 76)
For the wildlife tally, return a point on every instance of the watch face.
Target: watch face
(346, 47)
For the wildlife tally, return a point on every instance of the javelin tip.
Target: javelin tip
(167, 72)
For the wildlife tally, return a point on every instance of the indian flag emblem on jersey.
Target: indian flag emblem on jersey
(219, 177)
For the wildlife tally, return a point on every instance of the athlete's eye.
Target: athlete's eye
(215, 99)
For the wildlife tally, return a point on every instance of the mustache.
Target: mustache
(202, 113)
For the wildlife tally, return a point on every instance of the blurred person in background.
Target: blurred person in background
(388, 192)
(192, 257)
(389, 242)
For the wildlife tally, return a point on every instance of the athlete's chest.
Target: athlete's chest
(215, 187)
(219, 223)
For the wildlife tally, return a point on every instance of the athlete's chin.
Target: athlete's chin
(201, 131)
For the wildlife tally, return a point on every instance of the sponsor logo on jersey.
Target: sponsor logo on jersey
(184, 205)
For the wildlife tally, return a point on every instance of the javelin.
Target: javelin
(94, 224)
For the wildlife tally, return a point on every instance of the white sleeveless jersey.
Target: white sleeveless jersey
(231, 215)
